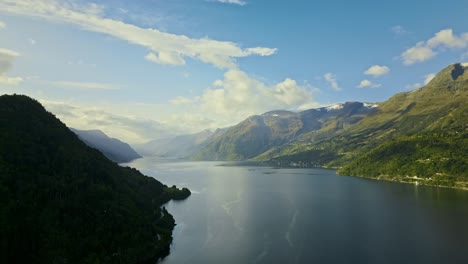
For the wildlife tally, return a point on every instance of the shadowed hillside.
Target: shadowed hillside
(112, 148)
(64, 202)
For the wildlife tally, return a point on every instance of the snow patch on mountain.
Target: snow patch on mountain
(334, 107)
(370, 105)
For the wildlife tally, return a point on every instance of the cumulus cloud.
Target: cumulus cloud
(425, 50)
(367, 83)
(228, 101)
(165, 48)
(237, 96)
(428, 78)
(235, 2)
(418, 53)
(7, 58)
(331, 79)
(242, 95)
(446, 38)
(413, 86)
(181, 100)
(2, 25)
(377, 70)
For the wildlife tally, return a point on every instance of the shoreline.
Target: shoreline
(399, 179)
(417, 181)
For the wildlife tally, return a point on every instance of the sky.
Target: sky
(149, 69)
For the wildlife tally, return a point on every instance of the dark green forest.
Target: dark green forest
(64, 202)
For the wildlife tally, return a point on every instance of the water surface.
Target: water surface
(267, 215)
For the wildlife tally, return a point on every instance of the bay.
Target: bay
(247, 214)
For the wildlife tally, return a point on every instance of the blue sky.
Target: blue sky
(140, 70)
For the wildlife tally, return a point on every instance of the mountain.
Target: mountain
(419, 135)
(112, 148)
(181, 146)
(427, 138)
(261, 133)
(64, 202)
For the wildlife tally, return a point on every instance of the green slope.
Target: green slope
(438, 159)
(271, 131)
(251, 137)
(440, 106)
(64, 202)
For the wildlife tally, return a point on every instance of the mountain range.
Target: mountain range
(261, 133)
(112, 148)
(181, 146)
(354, 136)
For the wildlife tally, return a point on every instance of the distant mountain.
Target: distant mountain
(64, 202)
(259, 134)
(181, 146)
(112, 148)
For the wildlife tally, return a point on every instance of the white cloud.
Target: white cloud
(10, 53)
(377, 70)
(418, 53)
(228, 101)
(166, 48)
(237, 96)
(2, 25)
(428, 78)
(235, 2)
(413, 86)
(165, 58)
(180, 100)
(10, 80)
(425, 50)
(331, 79)
(447, 39)
(367, 83)
(7, 58)
(399, 30)
(239, 93)
(85, 85)
(123, 126)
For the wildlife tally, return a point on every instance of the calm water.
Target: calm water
(266, 215)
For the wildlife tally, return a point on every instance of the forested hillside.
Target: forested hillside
(64, 202)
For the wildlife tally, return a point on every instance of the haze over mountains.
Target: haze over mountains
(432, 118)
(112, 148)
(343, 135)
(181, 146)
